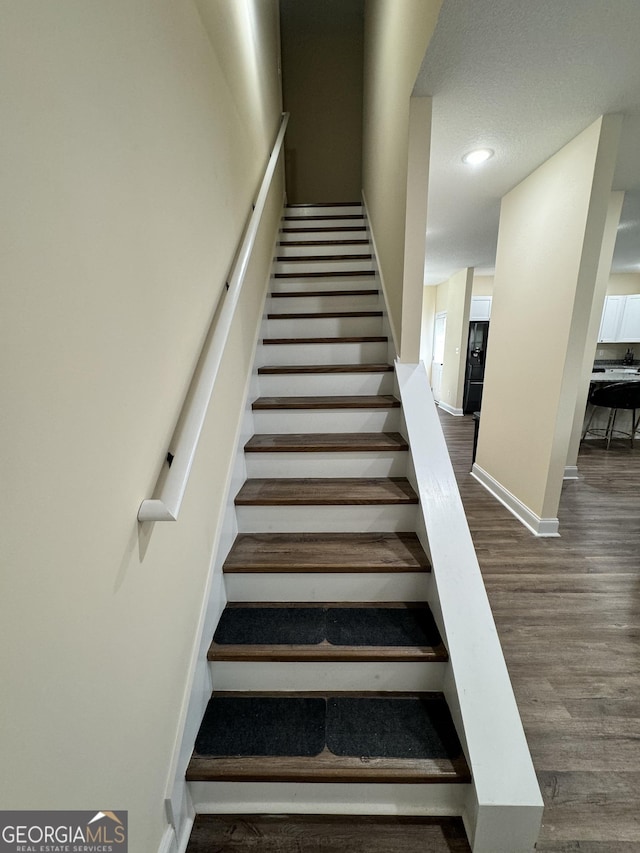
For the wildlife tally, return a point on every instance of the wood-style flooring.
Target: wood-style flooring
(567, 610)
(326, 834)
(568, 614)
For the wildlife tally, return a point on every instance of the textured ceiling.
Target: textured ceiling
(523, 78)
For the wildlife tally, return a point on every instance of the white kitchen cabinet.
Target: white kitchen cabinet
(629, 331)
(480, 308)
(611, 319)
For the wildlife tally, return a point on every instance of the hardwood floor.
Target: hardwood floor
(567, 612)
(326, 834)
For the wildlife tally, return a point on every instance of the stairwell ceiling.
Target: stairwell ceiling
(523, 78)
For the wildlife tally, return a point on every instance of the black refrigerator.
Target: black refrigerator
(474, 375)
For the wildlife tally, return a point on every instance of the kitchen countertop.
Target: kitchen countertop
(622, 374)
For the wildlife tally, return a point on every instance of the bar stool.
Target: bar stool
(618, 395)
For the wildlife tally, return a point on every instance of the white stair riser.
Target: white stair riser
(321, 266)
(322, 283)
(307, 304)
(323, 327)
(327, 586)
(323, 209)
(443, 800)
(325, 384)
(291, 676)
(319, 519)
(322, 236)
(289, 421)
(392, 464)
(368, 352)
(291, 250)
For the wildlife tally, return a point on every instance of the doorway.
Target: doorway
(437, 359)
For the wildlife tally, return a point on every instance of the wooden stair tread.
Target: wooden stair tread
(324, 243)
(302, 294)
(345, 216)
(315, 258)
(307, 204)
(323, 315)
(326, 767)
(325, 274)
(380, 401)
(329, 833)
(325, 652)
(326, 552)
(326, 491)
(349, 339)
(325, 368)
(318, 229)
(326, 441)
(447, 767)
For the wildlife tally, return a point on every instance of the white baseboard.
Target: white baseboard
(168, 842)
(451, 409)
(539, 526)
(570, 472)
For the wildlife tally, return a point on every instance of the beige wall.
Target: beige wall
(396, 38)
(322, 54)
(416, 228)
(551, 228)
(442, 296)
(482, 285)
(456, 337)
(622, 284)
(136, 146)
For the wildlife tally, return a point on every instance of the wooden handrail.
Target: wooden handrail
(166, 506)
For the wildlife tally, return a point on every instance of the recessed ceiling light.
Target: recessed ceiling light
(478, 155)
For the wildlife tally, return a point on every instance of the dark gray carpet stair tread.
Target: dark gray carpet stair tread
(410, 737)
(325, 368)
(327, 441)
(327, 834)
(381, 626)
(326, 552)
(271, 625)
(398, 626)
(340, 401)
(326, 491)
(391, 728)
(262, 725)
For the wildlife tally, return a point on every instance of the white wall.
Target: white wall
(135, 143)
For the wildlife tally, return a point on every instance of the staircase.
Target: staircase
(327, 663)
